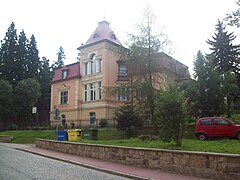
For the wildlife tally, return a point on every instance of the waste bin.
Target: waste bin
(90, 134)
(61, 135)
(74, 134)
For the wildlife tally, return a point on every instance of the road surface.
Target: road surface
(18, 165)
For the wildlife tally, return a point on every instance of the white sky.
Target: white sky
(68, 23)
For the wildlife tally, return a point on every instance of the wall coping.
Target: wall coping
(148, 149)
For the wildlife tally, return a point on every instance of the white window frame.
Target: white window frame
(85, 92)
(92, 91)
(99, 90)
(63, 97)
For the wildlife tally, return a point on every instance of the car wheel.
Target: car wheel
(238, 136)
(202, 136)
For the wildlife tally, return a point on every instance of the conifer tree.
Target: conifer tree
(8, 56)
(225, 54)
(141, 61)
(33, 58)
(22, 56)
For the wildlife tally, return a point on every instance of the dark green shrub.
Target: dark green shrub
(103, 123)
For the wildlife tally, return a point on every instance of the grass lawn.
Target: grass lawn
(113, 137)
(29, 136)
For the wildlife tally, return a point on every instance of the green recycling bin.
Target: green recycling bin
(90, 134)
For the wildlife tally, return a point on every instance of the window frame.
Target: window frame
(64, 97)
(92, 91)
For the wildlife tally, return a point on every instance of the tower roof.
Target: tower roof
(103, 32)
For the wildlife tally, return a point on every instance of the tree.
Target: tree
(225, 54)
(231, 90)
(26, 94)
(45, 76)
(22, 56)
(6, 95)
(33, 59)
(141, 55)
(171, 114)
(8, 56)
(127, 118)
(60, 57)
(233, 19)
(204, 94)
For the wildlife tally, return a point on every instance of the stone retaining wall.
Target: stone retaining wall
(201, 164)
(5, 139)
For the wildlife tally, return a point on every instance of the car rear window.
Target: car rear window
(206, 122)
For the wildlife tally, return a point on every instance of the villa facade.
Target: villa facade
(78, 90)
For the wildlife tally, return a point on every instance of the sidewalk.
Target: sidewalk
(105, 166)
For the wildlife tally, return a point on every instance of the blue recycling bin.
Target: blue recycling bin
(61, 135)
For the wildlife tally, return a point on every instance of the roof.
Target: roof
(73, 71)
(101, 33)
(164, 61)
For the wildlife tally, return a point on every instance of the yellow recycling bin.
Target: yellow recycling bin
(74, 134)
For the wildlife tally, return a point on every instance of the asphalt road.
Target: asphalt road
(18, 165)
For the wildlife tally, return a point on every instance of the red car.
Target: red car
(216, 127)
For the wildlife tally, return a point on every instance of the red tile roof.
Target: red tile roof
(103, 32)
(73, 71)
(163, 61)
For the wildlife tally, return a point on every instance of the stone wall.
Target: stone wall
(5, 139)
(201, 164)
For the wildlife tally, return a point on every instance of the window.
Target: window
(85, 69)
(99, 90)
(64, 74)
(92, 64)
(222, 122)
(92, 117)
(95, 35)
(123, 94)
(64, 97)
(122, 70)
(92, 92)
(99, 65)
(113, 36)
(85, 92)
(206, 122)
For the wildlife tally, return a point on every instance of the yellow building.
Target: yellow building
(77, 90)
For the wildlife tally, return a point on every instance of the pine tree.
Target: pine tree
(8, 56)
(204, 95)
(33, 58)
(225, 54)
(141, 60)
(22, 56)
(45, 78)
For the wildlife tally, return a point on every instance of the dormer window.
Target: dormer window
(113, 36)
(95, 35)
(64, 74)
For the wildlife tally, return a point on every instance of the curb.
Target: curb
(86, 165)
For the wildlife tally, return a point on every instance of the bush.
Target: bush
(128, 117)
(13, 127)
(103, 123)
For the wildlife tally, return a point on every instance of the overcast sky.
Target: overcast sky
(69, 23)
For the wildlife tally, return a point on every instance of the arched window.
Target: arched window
(92, 63)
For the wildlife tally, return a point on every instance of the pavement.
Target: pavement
(101, 165)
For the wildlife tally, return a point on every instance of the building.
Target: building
(78, 90)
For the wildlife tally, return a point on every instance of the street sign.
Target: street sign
(34, 110)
